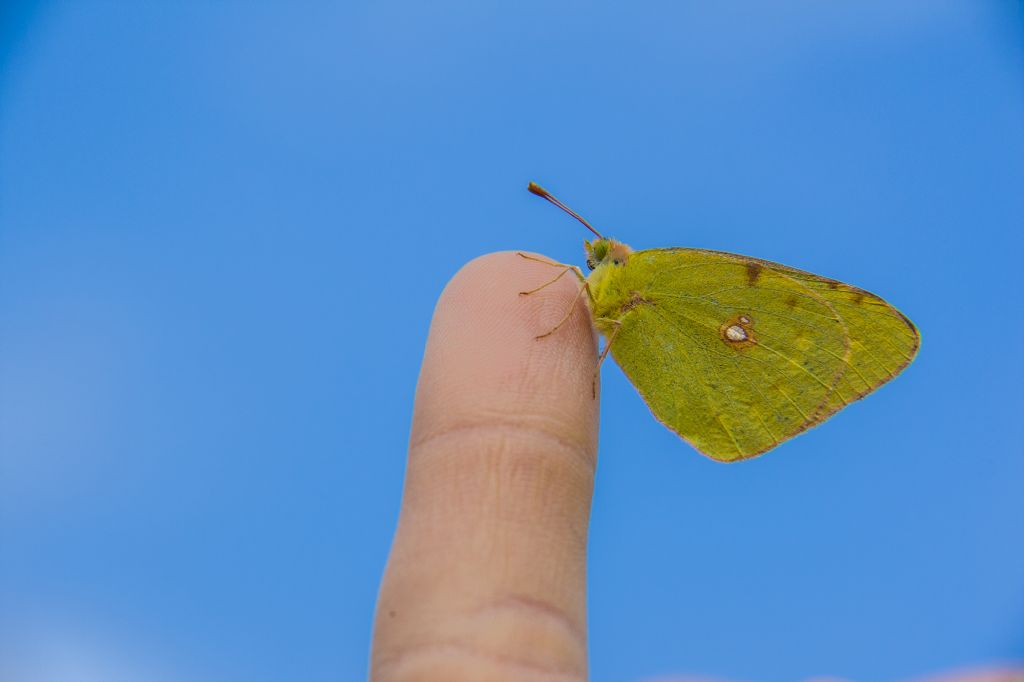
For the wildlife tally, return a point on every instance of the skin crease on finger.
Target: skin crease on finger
(486, 579)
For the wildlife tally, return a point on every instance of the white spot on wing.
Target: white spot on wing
(736, 333)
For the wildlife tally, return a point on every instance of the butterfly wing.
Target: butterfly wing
(736, 354)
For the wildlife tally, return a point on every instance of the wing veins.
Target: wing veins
(876, 360)
(798, 409)
(895, 348)
(801, 367)
(845, 361)
(713, 403)
(791, 360)
(685, 266)
(750, 383)
(795, 320)
(709, 296)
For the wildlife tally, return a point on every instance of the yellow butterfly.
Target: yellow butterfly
(737, 354)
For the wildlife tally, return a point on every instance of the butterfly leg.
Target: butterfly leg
(541, 260)
(579, 273)
(604, 353)
(608, 343)
(572, 309)
(548, 283)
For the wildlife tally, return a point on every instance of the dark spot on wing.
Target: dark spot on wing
(832, 284)
(634, 300)
(753, 272)
(791, 301)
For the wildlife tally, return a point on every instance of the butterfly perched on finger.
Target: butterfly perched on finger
(736, 354)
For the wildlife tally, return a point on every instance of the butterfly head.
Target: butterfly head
(601, 251)
(605, 252)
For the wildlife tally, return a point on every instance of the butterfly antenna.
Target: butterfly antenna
(544, 194)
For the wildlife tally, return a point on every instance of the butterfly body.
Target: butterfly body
(737, 354)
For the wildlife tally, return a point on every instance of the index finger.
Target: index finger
(486, 578)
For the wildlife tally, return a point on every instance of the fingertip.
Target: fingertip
(483, 357)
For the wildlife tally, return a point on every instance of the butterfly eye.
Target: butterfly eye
(590, 264)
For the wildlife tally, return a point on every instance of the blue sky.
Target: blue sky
(223, 227)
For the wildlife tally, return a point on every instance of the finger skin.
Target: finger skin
(486, 577)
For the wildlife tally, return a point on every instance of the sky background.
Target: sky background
(223, 228)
